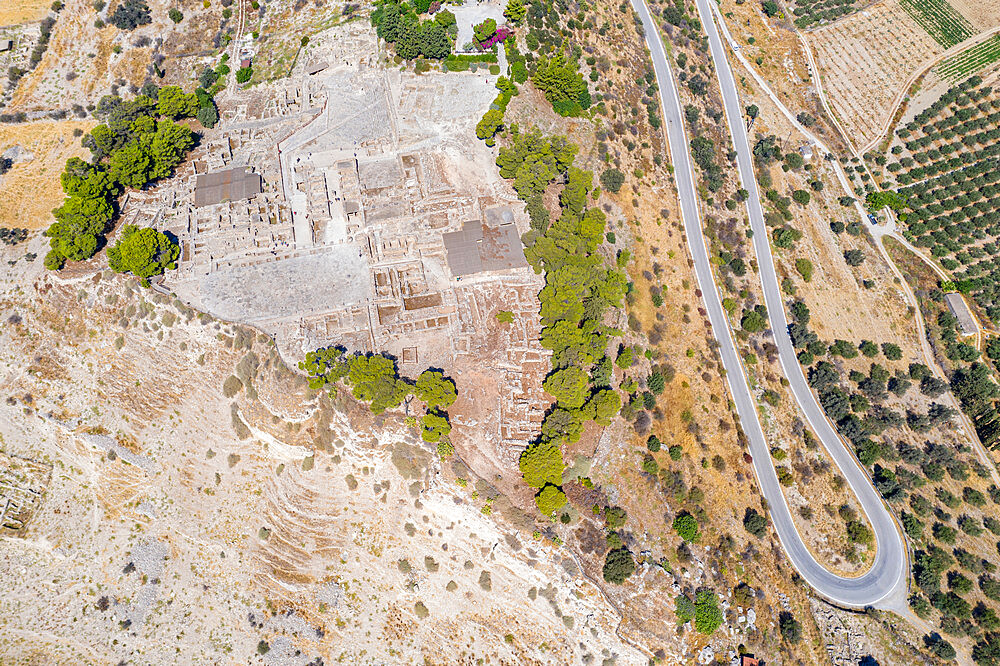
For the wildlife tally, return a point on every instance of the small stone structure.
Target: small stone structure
(960, 309)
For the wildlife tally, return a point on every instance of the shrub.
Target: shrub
(143, 252)
(891, 351)
(791, 630)
(435, 427)
(754, 321)
(208, 116)
(542, 463)
(130, 14)
(612, 180)
(854, 257)
(754, 523)
(804, 268)
(618, 566)
(868, 348)
(858, 532)
(550, 499)
(707, 614)
(684, 608)
(686, 526)
(615, 517)
(231, 386)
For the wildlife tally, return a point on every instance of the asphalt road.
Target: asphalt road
(884, 585)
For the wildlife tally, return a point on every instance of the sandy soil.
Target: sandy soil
(31, 189)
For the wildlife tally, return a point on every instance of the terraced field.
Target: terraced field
(970, 61)
(815, 12)
(941, 21)
(949, 171)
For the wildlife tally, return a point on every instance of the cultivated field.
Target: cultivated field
(947, 168)
(31, 189)
(940, 20)
(865, 60)
(970, 61)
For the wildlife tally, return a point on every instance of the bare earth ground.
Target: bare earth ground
(31, 189)
(76, 46)
(851, 637)
(87, 55)
(783, 64)
(982, 15)
(174, 530)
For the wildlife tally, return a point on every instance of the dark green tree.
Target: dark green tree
(143, 252)
(374, 380)
(612, 180)
(618, 565)
(435, 389)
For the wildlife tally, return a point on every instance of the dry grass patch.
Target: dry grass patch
(982, 15)
(13, 12)
(31, 189)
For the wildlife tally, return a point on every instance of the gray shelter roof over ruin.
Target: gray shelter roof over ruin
(479, 247)
(960, 309)
(229, 185)
(316, 67)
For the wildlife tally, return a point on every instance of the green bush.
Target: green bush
(791, 630)
(804, 268)
(686, 526)
(541, 463)
(612, 180)
(854, 257)
(707, 614)
(754, 523)
(143, 252)
(618, 565)
(550, 499)
(435, 427)
(684, 608)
